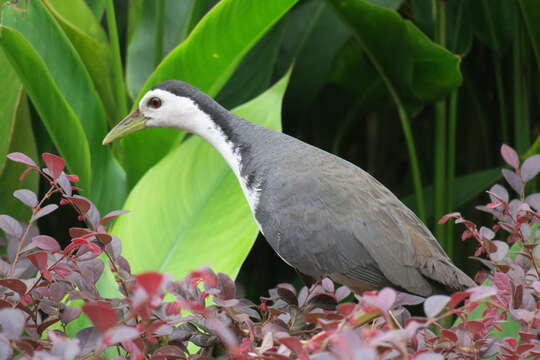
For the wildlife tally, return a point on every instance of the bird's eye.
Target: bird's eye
(154, 102)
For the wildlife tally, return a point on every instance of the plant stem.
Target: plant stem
(521, 122)
(439, 178)
(451, 167)
(160, 30)
(501, 98)
(118, 73)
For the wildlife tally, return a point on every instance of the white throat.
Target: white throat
(200, 123)
(215, 137)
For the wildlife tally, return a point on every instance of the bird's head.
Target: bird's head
(172, 104)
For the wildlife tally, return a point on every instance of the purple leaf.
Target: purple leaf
(513, 180)
(536, 286)
(119, 334)
(88, 340)
(530, 168)
(384, 300)
(429, 356)
(21, 158)
(534, 201)
(27, 197)
(342, 292)
(500, 191)
(435, 304)
(487, 233)
(502, 250)
(46, 210)
(69, 313)
(10, 226)
(12, 322)
(523, 315)
(65, 184)
(46, 242)
(408, 299)
(66, 349)
(226, 285)
(480, 292)
(510, 156)
(328, 285)
(6, 350)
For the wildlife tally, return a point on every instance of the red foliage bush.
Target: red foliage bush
(39, 282)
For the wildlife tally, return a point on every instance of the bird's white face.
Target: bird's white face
(163, 109)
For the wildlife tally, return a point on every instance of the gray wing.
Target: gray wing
(338, 220)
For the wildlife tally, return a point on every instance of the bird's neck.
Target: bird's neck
(219, 136)
(223, 132)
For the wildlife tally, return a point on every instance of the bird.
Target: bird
(323, 215)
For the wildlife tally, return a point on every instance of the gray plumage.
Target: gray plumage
(327, 217)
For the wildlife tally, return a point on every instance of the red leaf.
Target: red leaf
(346, 309)
(16, 285)
(81, 203)
(173, 308)
(103, 237)
(150, 281)
(75, 243)
(112, 215)
(76, 232)
(295, 345)
(456, 298)
(450, 335)
(101, 314)
(94, 248)
(21, 158)
(474, 326)
(45, 242)
(447, 217)
(73, 178)
(54, 163)
(62, 270)
(39, 260)
(510, 156)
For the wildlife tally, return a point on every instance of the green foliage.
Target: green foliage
(206, 59)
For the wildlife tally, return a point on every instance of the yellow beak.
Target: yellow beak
(131, 123)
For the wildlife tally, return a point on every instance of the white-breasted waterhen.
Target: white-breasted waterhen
(323, 215)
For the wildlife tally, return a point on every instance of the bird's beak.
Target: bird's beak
(131, 123)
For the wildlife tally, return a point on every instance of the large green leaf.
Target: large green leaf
(62, 89)
(530, 10)
(494, 23)
(10, 87)
(189, 211)
(58, 117)
(408, 62)
(142, 47)
(21, 140)
(315, 60)
(90, 41)
(254, 75)
(206, 59)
